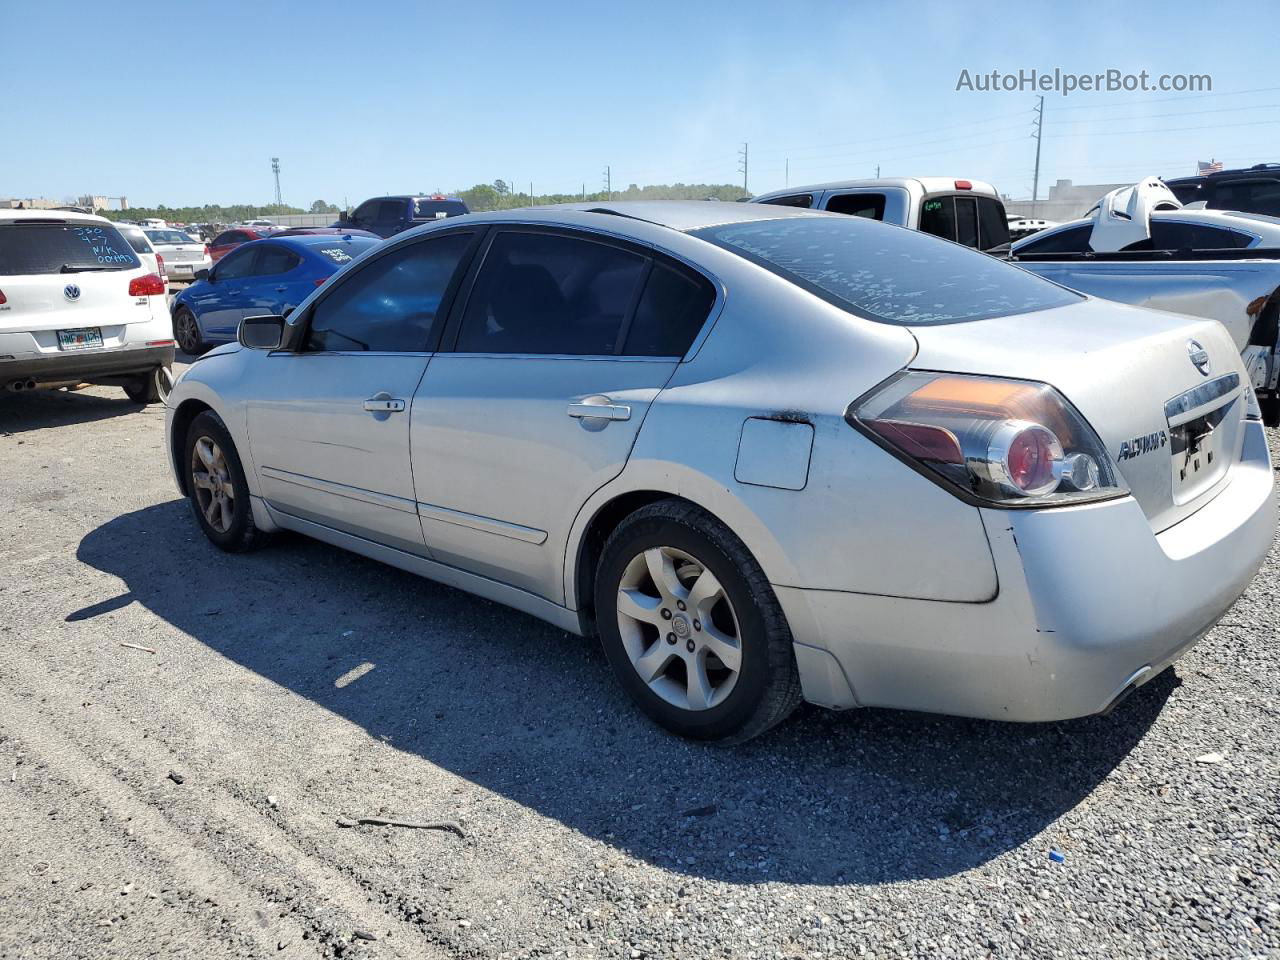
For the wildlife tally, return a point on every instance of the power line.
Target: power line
(1177, 113)
(1193, 96)
(1130, 133)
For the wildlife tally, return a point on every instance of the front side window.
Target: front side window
(551, 294)
(236, 264)
(392, 304)
(888, 274)
(869, 205)
(366, 212)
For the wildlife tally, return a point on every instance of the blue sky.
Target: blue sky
(183, 103)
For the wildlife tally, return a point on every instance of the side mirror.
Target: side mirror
(202, 275)
(261, 333)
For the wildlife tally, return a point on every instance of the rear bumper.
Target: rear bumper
(1090, 603)
(85, 365)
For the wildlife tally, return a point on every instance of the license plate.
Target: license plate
(81, 338)
(178, 267)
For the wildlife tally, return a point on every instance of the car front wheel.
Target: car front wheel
(216, 486)
(691, 625)
(187, 332)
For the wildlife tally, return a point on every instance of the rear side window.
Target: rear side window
(887, 274)
(551, 294)
(222, 239)
(1176, 235)
(136, 238)
(869, 205)
(1071, 240)
(393, 304)
(795, 200)
(672, 310)
(273, 259)
(236, 264)
(28, 249)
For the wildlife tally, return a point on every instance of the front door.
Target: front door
(329, 423)
(560, 350)
(222, 302)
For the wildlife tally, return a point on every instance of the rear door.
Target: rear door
(564, 340)
(329, 422)
(393, 216)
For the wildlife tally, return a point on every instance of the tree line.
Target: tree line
(498, 195)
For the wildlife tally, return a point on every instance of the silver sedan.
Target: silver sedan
(765, 454)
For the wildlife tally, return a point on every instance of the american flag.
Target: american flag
(1204, 169)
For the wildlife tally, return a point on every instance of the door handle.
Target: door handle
(383, 404)
(281, 289)
(598, 408)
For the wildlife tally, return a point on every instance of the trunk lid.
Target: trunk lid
(1173, 429)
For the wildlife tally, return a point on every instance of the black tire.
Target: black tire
(1270, 405)
(768, 685)
(242, 534)
(187, 333)
(151, 388)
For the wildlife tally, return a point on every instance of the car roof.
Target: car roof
(682, 215)
(310, 240)
(54, 215)
(926, 184)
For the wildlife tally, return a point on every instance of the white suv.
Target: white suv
(77, 304)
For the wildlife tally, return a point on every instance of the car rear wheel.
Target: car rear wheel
(187, 332)
(152, 388)
(216, 486)
(691, 625)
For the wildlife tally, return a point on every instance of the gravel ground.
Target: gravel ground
(185, 803)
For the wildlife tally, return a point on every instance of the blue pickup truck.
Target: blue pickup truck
(387, 216)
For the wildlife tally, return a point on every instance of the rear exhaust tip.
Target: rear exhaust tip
(17, 386)
(1136, 680)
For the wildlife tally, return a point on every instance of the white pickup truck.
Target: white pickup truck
(1140, 245)
(968, 212)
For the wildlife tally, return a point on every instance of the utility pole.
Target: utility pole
(786, 182)
(742, 167)
(275, 168)
(1035, 183)
(531, 200)
(608, 183)
(877, 171)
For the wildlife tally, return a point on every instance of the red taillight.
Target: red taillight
(920, 440)
(320, 281)
(2, 299)
(1030, 452)
(206, 250)
(160, 343)
(160, 265)
(152, 285)
(963, 185)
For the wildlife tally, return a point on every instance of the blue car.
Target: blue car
(270, 276)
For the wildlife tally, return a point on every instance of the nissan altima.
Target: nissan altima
(765, 454)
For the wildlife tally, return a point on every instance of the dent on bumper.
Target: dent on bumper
(1088, 597)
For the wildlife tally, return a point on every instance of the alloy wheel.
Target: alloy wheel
(211, 478)
(188, 333)
(679, 628)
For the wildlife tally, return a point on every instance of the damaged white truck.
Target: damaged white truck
(1140, 245)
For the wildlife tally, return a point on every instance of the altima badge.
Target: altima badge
(1199, 356)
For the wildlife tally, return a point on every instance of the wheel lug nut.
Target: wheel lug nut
(689, 646)
(680, 604)
(671, 638)
(666, 614)
(697, 624)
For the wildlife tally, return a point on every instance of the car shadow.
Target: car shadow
(41, 409)
(533, 713)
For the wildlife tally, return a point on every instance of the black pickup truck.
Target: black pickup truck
(387, 216)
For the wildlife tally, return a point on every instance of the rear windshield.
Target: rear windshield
(38, 248)
(168, 236)
(430, 209)
(886, 273)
